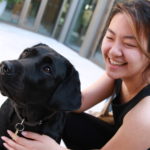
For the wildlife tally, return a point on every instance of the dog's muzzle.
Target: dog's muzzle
(6, 68)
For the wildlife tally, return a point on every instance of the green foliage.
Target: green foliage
(13, 1)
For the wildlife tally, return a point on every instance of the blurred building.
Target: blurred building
(79, 24)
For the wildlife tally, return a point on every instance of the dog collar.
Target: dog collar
(32, 123)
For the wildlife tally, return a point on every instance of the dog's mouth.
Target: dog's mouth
(10, 79)
(5, 88)
(5, 92)
(10, 89)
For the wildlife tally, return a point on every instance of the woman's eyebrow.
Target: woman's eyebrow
(125, 37)
(129, 37)
(111, 31)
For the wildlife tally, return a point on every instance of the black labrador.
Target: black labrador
(42, 88)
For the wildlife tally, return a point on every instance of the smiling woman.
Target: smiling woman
(122, 51)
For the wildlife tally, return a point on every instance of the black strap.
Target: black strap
(120, 110)
(143, 93)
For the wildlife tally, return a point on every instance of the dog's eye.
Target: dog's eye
(25, 53)
(47, 69)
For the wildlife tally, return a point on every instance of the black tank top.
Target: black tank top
(120, 110)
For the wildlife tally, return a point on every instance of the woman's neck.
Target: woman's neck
(130, 88)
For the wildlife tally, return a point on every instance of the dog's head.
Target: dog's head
(43, 78)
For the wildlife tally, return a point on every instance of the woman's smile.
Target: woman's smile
(116, 62)
(115, 65)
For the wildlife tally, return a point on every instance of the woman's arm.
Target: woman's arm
(96, 92)
(134, 134)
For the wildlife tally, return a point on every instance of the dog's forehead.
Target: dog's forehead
(45, 51)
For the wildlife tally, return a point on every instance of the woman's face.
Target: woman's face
(122, 56)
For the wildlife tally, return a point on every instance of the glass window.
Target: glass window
(97, 56)
(50, 16)
(12, 11)
(80, 23)
(62, 19)
(32, 13)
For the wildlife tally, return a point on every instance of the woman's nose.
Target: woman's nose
(116, 50)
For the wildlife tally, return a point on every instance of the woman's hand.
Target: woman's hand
(37, 142)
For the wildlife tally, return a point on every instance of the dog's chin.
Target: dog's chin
(3, 93)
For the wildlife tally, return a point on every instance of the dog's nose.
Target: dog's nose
(6, 68)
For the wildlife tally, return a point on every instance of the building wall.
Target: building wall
(78, 24)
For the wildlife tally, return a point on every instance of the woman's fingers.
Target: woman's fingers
(20, 141)
(33, 136)
(10, 144)
(7, 146)
(34, 141)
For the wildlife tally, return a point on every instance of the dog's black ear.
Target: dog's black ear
(67, 96)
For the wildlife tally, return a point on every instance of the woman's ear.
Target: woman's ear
(67, 96)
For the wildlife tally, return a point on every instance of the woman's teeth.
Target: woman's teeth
(116, 62)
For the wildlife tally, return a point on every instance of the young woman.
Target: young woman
(126, 50)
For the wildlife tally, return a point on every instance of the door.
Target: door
(40, 15)
(12, 11)
(80, 23)
(32, 13)
(50, 16)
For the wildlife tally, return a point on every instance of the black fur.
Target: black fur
(42, 85)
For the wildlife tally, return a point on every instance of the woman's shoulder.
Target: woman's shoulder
(134, 133)
(139, 115)
(136, 124)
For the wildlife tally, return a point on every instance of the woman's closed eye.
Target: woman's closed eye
(130, 45)
(109, 38)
